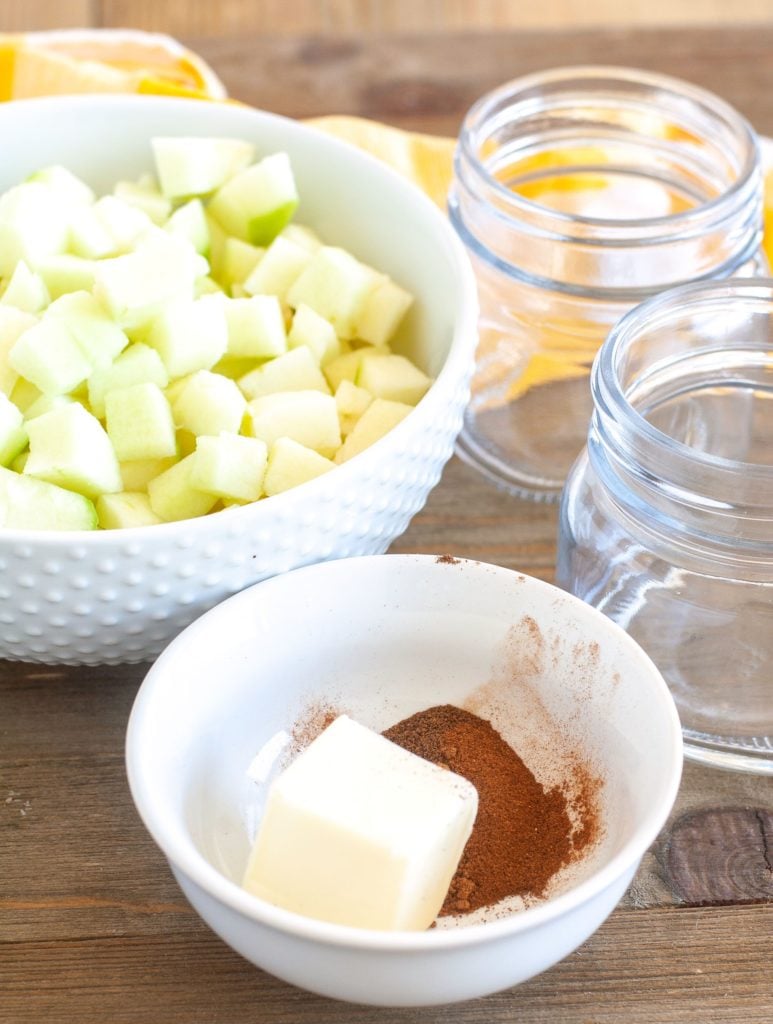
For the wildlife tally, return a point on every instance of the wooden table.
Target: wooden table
(93, 929)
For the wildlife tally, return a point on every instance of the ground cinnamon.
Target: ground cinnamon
(522, 835)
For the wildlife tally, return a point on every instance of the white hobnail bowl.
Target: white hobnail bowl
(118, 596)
(381, 638)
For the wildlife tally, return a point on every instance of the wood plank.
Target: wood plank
(641, 967)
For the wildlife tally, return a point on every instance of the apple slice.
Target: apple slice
(190, 166)
(379, 418)
(29, 504)
(173, 496)
(190, 334)
(291, 464)
(255, 204)
(256, 327)
(26, 290)
(382, 313)
(69, 447)
(190, 222)
(230, 466)
(315, 333)
(96, 334)
(308, 417)
(296, 370)
(208, 403)
(125, 510)
(139, 423)
(13, 436)
(393, 377)
(275, 272)
(48, 356)
(337, 286)
(139, 364)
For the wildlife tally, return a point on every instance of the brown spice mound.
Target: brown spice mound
(522, 834)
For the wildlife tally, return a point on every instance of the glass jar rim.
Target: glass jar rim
(684, 220)
(609, 393)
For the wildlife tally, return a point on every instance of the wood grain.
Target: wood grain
(29, 15)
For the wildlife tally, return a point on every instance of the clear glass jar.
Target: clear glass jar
(579, 193)
(667, 516)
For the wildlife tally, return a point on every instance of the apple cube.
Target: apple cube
(281, 265)
(173, 496)
(302, 235)
(72, 190)
(33, 225)
(315, 333)
(190, 334)
(29, 504)
(13, 436)
(208, 403)
(296, 370)
(379, 418)
(190, 223)
(48, 356)
(258, 202)
(139, 364)
(69, 447)
(26, 290)
(291, 463)
(336, 286)
(351, 402)
(46, 403)
(63, 273)
(150, 201)
(89, 235)
(139, 423)
(13, 323)
(124, 223)
(96, 334)
(308, 417)
(207, 286)
(125, 510)
(347, 365)
(230, 466)
(137, 474)
(238, 260)
(384, 308)
(193, 166)
(256, 327)
(138, 287)
(393, 377)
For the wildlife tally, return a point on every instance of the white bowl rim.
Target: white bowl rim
(465, 298)
(194, 865)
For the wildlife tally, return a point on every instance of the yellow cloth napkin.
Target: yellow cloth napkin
(118, 60)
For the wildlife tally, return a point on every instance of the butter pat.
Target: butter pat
(358, 831)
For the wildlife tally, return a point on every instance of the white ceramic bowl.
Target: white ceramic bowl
(381, 638)
(119, 596)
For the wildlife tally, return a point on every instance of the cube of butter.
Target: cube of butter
(358, 831)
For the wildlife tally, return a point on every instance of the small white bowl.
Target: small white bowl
(121, 595)
(381, 638)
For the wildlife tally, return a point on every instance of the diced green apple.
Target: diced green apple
(302, 235)
(256, 327)
(195, 166)
(29, 504)
(173, 496)
(190, 222)
(139, 364)
(208, 403)
(48, 356)
(23, 394)
(190, 334)
(382, 313)
(124, 223)
(13, 323)
(89, 235)
(46, 403)
(137, 475)
(296, 370)
(337, 286)
(207, 286)
(379, 418)
(25, 290)
(291, 464)
(238, 261)
(139, 423)
(258, 202)
(72, 189)
(151, 202)
(347, 365)
(63, 273)
(308, 417)
(316, 333)
(282, 264)
(70, 448)
(393, 377)
(13, 436)
(33, 225)
(125, 510)
(97, 335)
(351, 402)
(230, 466)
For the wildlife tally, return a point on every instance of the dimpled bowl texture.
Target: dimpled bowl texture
(381, 638)
(120, 596)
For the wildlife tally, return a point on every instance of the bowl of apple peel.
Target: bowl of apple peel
(229, 346)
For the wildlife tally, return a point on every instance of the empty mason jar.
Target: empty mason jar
(579, 193)
(667, 516)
